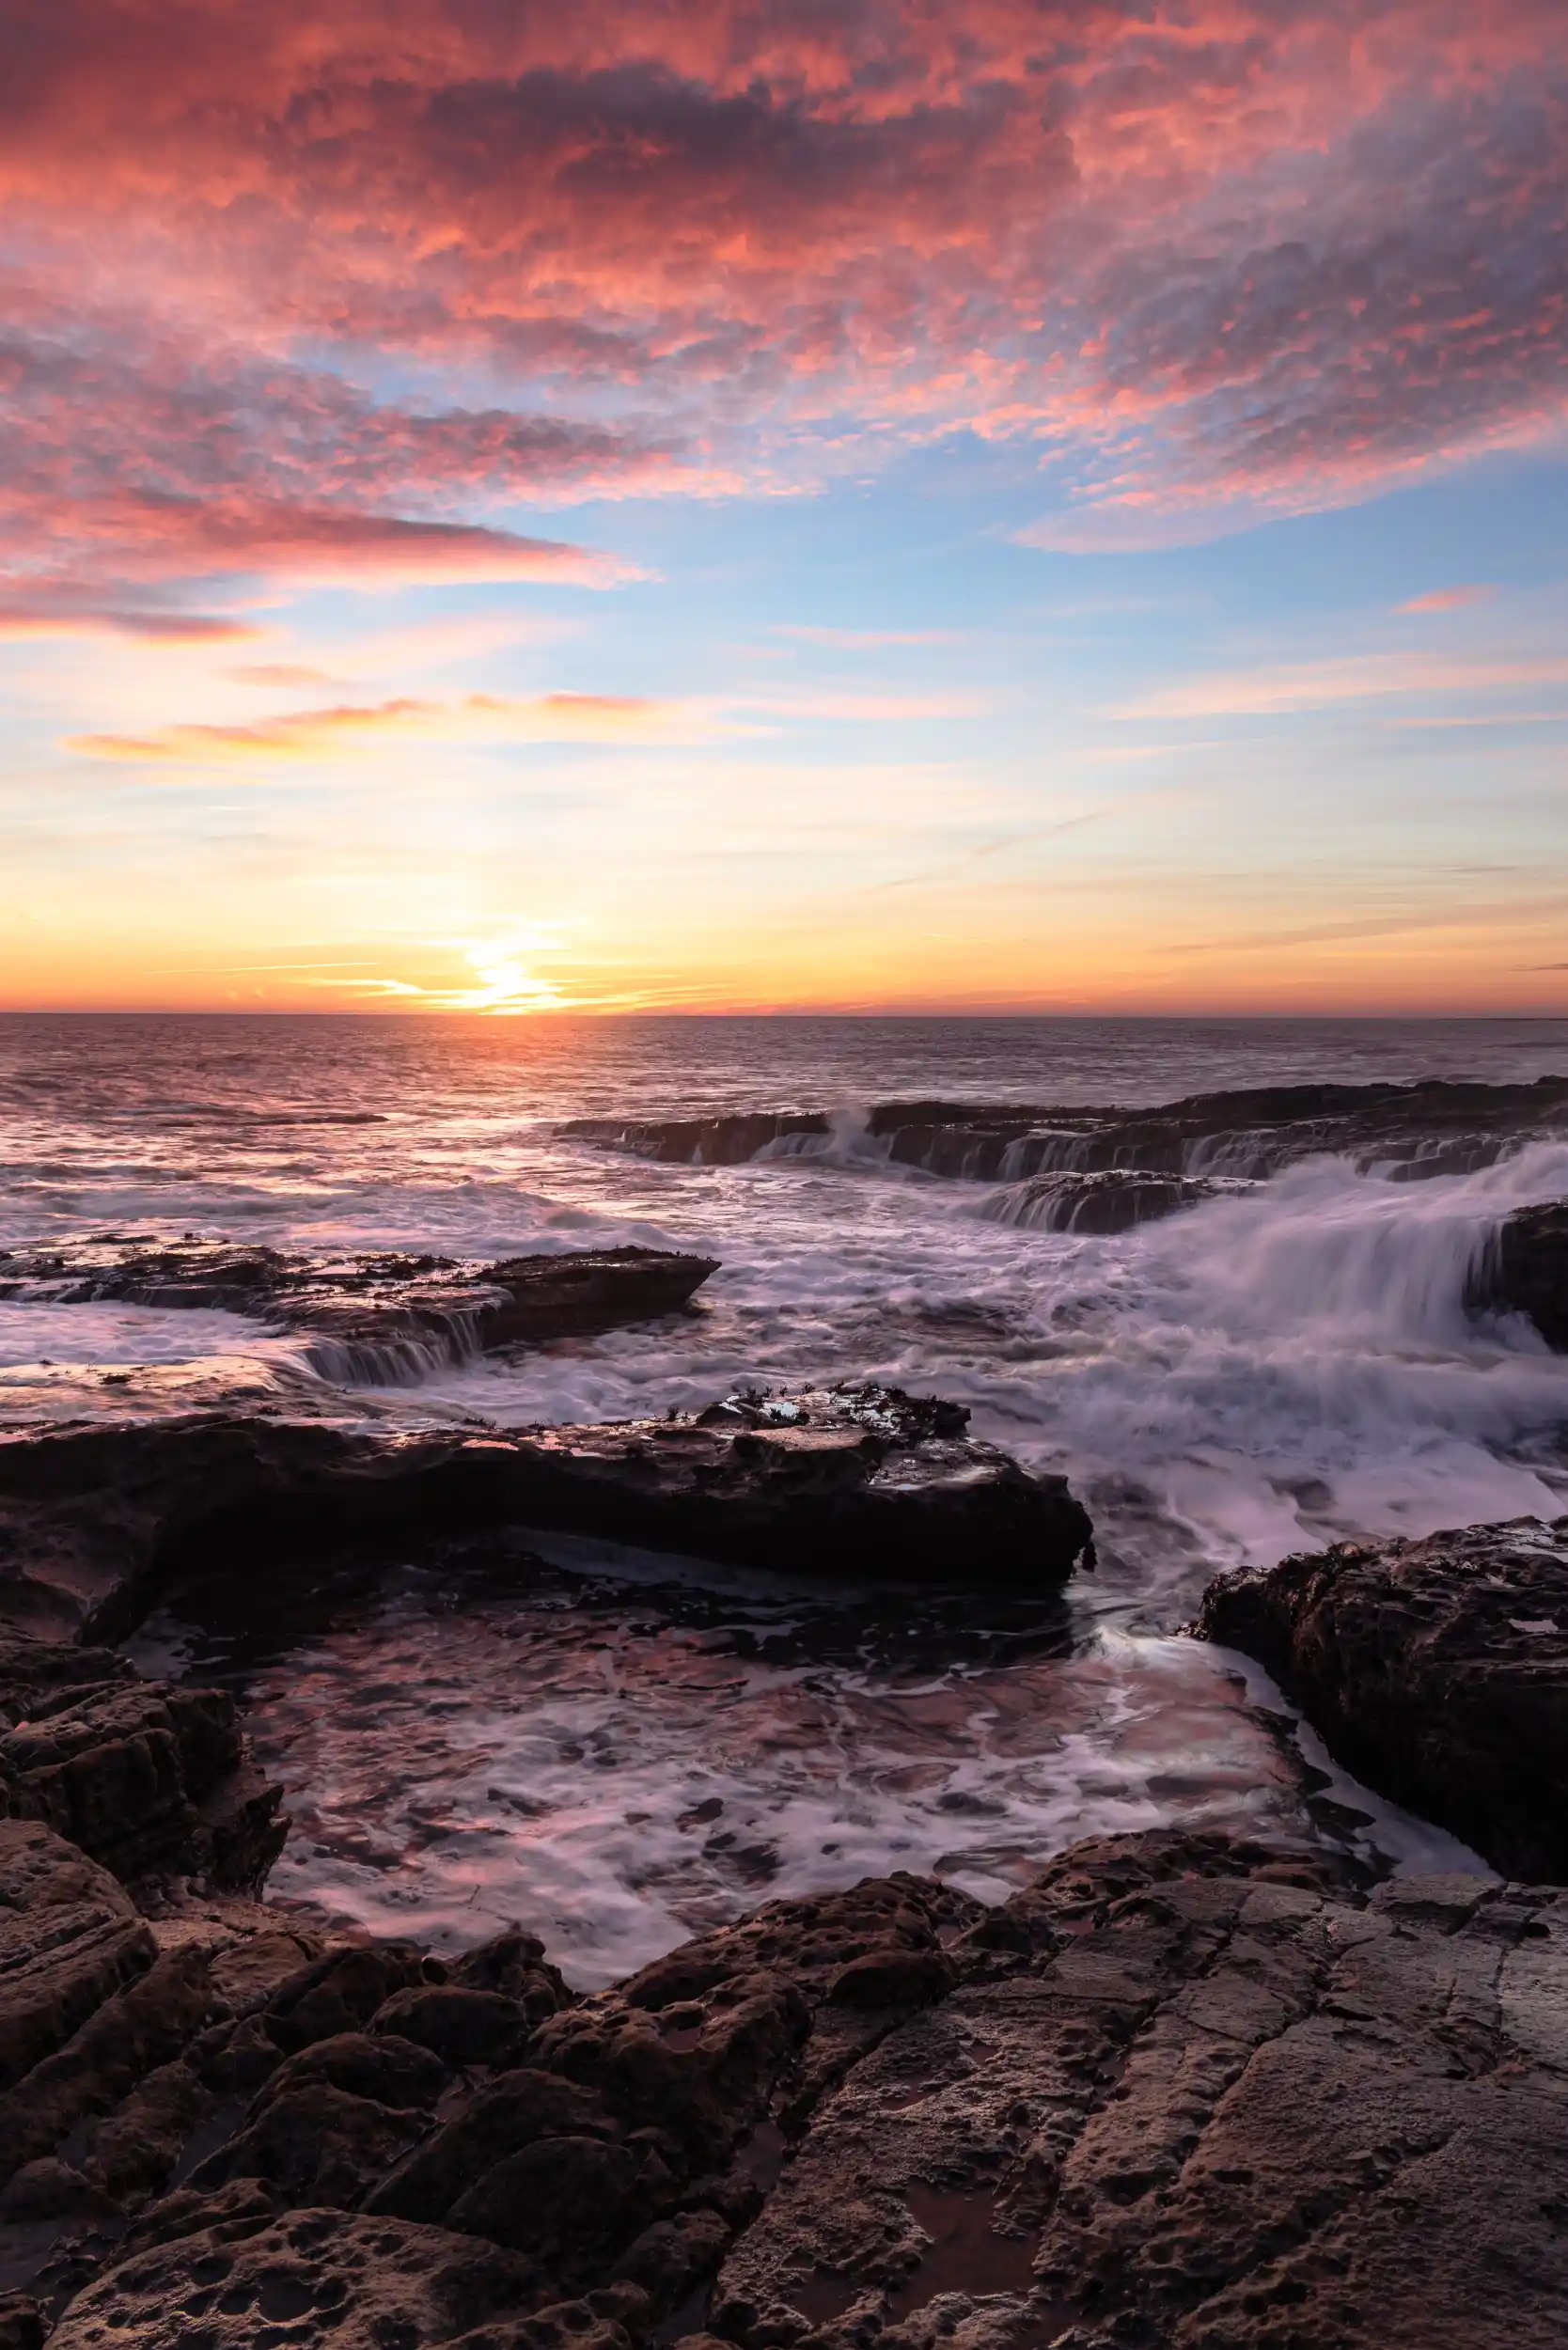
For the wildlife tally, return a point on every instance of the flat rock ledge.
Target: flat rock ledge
(373, 1318)
(857, 1482)
(1177, 2094)
(1436, 1670)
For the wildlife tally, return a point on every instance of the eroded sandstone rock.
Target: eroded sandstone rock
(1178, 2093)
(145, 1776)
(1436, 1670)
(327, 2278)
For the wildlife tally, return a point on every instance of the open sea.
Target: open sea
(614, 1749)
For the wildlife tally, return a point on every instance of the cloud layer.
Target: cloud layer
(344, 726)
(341, 287)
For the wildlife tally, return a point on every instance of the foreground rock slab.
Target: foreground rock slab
(369, 1316)
(1436, 1670)
(859, 1483)
(1178, 2093)
(316, 2276)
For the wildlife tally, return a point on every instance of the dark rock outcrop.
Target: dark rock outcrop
(139, 1774)
(1525, 1271)
(1114, 1201)
(1436, 1670)
(854, 1482)
(1436, 1127)
(1177, 2092)
(143, 1776)
(1193, 2104)
(370, 1318)
(726, 1141)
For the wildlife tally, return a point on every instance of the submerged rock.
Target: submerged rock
(860, 1482)
(371, 1317)
(1436, 1670)
(1177, 2092)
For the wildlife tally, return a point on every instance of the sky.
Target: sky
(731, 505)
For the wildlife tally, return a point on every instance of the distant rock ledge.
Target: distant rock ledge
(1433, 1127)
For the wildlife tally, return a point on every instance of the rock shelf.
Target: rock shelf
(1525, 1271)
(865, 1483)
(1431, 1128)
(371, 1318)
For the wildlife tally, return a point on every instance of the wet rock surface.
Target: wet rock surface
(1176, 2091)
(1436, 1670)
(1435, 1127)
(372, 1316)
(863, 1483)
(143, 1776)
(1112, 1202)
(1525, 1271)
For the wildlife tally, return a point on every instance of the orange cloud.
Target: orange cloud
(279, 673)
(312, 734)
(61, 619)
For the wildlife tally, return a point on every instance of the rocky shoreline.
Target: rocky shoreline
(1179, 2090)
(1098, 1172)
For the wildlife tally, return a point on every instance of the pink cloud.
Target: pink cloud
(1446, 598)
(862, 639)
(1224, 260)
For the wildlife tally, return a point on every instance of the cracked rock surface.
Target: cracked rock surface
(1436, 1670)
(1179, 2093)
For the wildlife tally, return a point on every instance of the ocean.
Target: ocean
(614, 1749)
